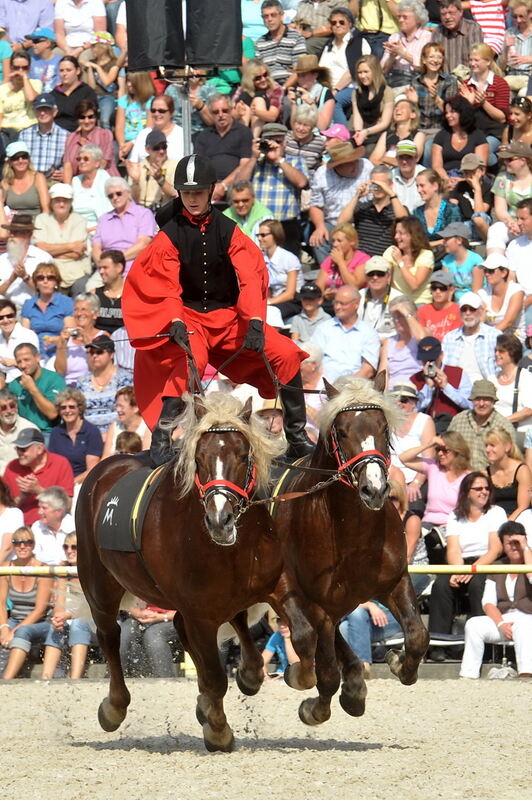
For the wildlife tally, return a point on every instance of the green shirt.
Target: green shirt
(250, 224)
(49, 384)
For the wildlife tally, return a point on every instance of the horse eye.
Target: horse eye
(341, 434)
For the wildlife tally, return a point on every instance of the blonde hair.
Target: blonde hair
(501, 435)
(249, 70)
(377, 74)
(8, 173)
(349, 232)
(485, 51)
(142, 85)
(456, 442)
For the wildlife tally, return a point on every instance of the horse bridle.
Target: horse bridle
(350, 467)
(237, 496)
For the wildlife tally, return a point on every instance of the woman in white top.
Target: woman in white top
(129, 419)
(472, 538)
(90, 199)
(503, 299)
(12, 333)
(162, 110)
(75, 23)
(284, 269)
(514, 385)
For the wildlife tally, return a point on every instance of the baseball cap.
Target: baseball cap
(406, 147)
(155, 138)
(442, 276)
(483, 388)
(16, 147)
(273, 129)
(310, 290)
(102, 342)
(41, 33)
(455, 229)
(61, 190)
(337, 131)
(495, 260)
(44, 100)
(470, 299)
(472, 161)
(519, 149)
(28, 436)
(376, 264)
(428, 348)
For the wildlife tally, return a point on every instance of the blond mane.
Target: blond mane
(358, 391)
(223, 410)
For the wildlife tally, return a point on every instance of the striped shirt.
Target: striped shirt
(274, 190)
(374, 227)
(521, 47)
(46, 149)
(311, 152)
(281, 57)
(484, 347)
(490, 16)
(332, 192)
(458, 43)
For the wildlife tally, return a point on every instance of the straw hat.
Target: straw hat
(309, 63)
(344, 154)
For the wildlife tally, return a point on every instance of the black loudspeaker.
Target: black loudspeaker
(156, 37)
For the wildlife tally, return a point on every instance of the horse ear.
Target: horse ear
(246, 411)
(329, 388)
(199, 407)
(380, 381)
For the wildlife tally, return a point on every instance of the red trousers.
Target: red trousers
(162, 371)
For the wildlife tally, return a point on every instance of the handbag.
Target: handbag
(436, 543)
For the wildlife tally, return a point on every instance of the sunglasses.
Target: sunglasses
(159, 110)
(405, 399)
(440, 449)
(341, 22)
(468, 308)
(87, 116)
(7, 316)
(68, 408)
(25, 542)
(438, 288)
(45, 278)
(376, 274)
(489, 271)
(8, 407)
(479, 489)
(261, 75)
(92, 352)
(40, 40)
(25, 68)
(220, 111)
(160, 147)
(20, 157)
(114, 194)
(84, 158)
(262, 235)
(70, 547)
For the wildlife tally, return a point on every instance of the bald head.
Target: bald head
(346, 302)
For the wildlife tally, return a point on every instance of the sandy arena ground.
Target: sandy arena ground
(444, 739)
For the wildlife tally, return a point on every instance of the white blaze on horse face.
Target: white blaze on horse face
(219, 499)
(374, 473)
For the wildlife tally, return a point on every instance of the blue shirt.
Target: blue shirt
(344, 348)
(463, 273)
(46, 71)
(49, 322)
(276, 645)
(89, 442)
(484, 347)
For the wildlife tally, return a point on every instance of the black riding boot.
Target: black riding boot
(295, 419)
(161, 449)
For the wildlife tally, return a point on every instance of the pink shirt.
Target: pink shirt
(334, 279)
(442, 495)
(98, 136)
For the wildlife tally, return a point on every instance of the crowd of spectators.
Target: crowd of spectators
(380, 156)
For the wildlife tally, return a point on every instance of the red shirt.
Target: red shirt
(56, 472)
(439, 322)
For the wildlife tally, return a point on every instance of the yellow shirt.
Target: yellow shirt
(372, 18)
(425, 259)
(16, 112)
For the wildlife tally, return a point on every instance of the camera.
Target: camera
(264, 146)
(430, 372)
(74, 332)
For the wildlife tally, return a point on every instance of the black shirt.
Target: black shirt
(110, 317)
(226, 151)
(374, 228)
(66, 103)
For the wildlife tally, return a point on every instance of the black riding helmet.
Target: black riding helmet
(194, 173)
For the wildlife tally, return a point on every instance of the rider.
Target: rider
(204, 283)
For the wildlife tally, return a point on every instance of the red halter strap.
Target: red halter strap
(366, 456)
(219, 484)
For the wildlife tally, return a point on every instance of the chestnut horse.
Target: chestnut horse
(346, 545)
(199, 554)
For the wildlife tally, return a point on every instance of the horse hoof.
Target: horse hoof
(223, 742)
(354, 706)
(292, 677)
(395, 660)
(200, 716)
(306, 713)
(246, 688)
(110, 718)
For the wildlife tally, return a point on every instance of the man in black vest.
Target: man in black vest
(507, 603)
(203, 274)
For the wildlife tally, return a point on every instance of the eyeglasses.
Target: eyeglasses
(468, 309)
(479, 489)
(159, 110)
(341, 22)
(45, 278)
(441, 449)
(263, 235)
(7, 316)
(70, 547)
(261, 75)
(87, 116)
(438, 288)
(20, 157)
(220, 111)
(68, 408)
(376, 274)
(114, 194)
(25, 542)
(84, 158)
(8, 407)
(40, 40)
